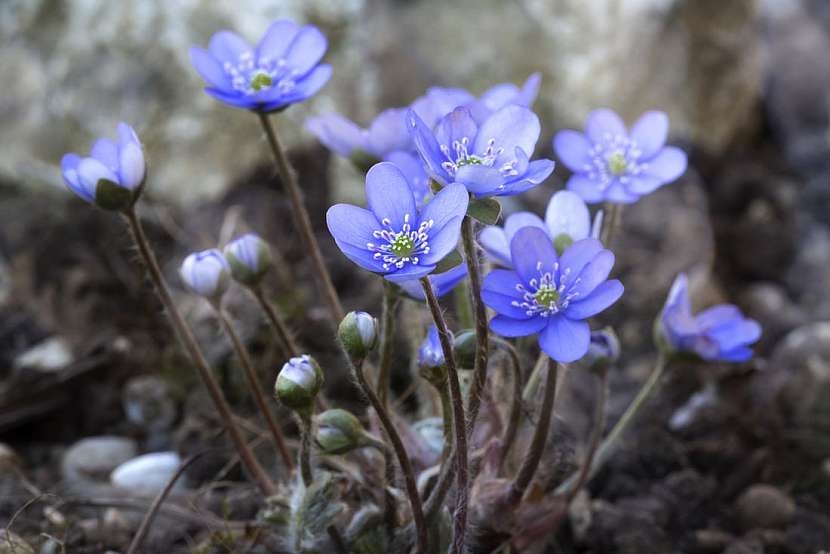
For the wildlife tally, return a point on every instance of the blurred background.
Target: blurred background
(746, 84)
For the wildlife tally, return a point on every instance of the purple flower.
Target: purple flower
(206, 273)
(442, 283)
(549, 294)
(611, 164)
(110, 164)
(566, 221)
(719, 333)
(249, 258)
(430, 353)
(490, 159)
(283, 69)
(393, 237)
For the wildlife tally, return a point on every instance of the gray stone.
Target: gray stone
(764, 507)
(149, 403)
(52, 354)
(92, 459)
(147, 475)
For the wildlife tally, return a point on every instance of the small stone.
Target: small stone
(149, 403)
(8, 458)
(52, 354)
(745, 546)
(92, 459)
(712, 540)
(148, 474)
(764, 507)
(11, 543)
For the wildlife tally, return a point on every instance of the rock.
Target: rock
(764, 507)
(149, 403)
(770, 303)
(809, 274)
(92, 459)
(712, 541)
(745, 546)
(8, 458)
(11, 543)
(53, 354)
(148, 474)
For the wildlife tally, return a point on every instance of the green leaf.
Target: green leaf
(485, 210)
(112, 196)
(450, 261)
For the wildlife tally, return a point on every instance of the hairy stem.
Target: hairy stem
(387, 340)
(400, 451)
(303, 221)
(482, 332)
(284, 338)
(540, 437)
(195, 352)
(305, 447)
(613, 220)
(459, 421)
(255, 387)
(515, 411)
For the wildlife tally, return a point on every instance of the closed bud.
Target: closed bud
(359, 334)
(431, 359)
(464, 347)
(299, 382)
(339, 432)
(206, 273)
(249, 259)
(603, 350)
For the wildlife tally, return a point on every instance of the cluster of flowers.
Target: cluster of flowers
(427, 166)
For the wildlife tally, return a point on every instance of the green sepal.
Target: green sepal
(362, 160)
(435, 186)
(561, 242)
(112, 196)
(485, 210)
(450, 261)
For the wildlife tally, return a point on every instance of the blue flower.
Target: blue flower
(566, 221)
(206, 273)
(430, 353)
(720, 333)
(611, 164)
(249, 258)
(118, 163)
(393, 237)
(490, 159)
(549, 294)
(442, 283)
(283, 69)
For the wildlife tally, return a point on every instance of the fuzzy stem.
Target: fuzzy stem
(305, 446)
(596, 435)
(387, 340)
(197, 357)
(540, 437)
(607, 447)
(400, 451)
(284, 338)
(532, 385)
(482, 332)
(389, 505)
(303, 221)
(255, 387)
(463, 305)
(459, 422)
(446, 416)
(612, 222)
(515, 411)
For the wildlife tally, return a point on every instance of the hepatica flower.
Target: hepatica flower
(551, 295)
(282, 69)
(249, 259)
(430, 352)
(609, 163)
(442, 283)
(206, 273)
(112, 175)
(719, 333)
(393, 237)
(566, 221)
(491, 159)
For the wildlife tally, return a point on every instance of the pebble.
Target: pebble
(92, 459)
(764, 507)
(147, 474)
(11, 543)
(52, 354)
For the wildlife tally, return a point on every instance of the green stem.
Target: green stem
(303, 221)
(463, 306)
(462, 462)
(196, 355)
(284, 338)
(387, 340)
(255, 387)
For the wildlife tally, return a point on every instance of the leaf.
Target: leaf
(485, 210)
(450, 261)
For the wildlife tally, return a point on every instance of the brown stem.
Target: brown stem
(284, 338)
(515, 411)
(387, 342)
(459, 422)
(540, 438)
(197, 357)
(303, 221)
(613, 219)
(255, 388)
(482, 332)
(400, 452)
(305, 447)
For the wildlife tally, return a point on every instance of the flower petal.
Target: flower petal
(565, 340)
(457, 126)
(530, 90)
(409, 273)
(494, 241)
(443, 241)
(642, 184)
(567, 214)
(352, 225)
(480, 179)
(131, 165)
(306, 88)
(388, 133)
(509, 327)
(90, 171)
(520, 220)
(585, 187)
(227, 46)
(532, 253)
(427, 147)
(602, 297)
(669, 164)
(413, 169)
(594, 273)
(338, 134)
(604, 124)
(499, 293)
(105, 151)
(69, 168)
(739, 354)
(390, 197)
(361, 256)
(209, 68)
(618, 194)
(650, 132)
(276, 40)
(718, 315)
(574, 149)
(576, 257)
(232, 98)
(510, 127)
(450, 203)
(306, 50)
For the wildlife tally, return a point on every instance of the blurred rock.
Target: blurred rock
(809, 275)
(745, 546)
(53, 354)
(149, 403)
(764, 507)
(770, 304)
(11, 543)
(8, 458)
(148, 474)
(92, 459)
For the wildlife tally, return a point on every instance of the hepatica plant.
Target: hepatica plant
(553, 278)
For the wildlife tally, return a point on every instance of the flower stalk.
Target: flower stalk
(196, 355)
(284, 338)
(389, 312)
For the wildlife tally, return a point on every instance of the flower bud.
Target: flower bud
(358, 333)
(206, 273)
(431, 358)
(249, 259)
(298, 383)
(603, 349)
(464, 347)
(339, 432)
